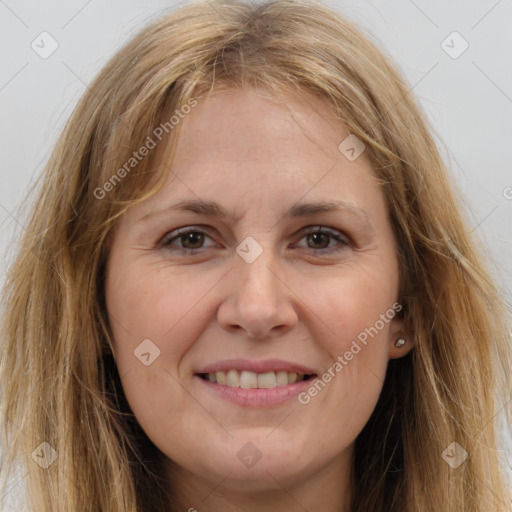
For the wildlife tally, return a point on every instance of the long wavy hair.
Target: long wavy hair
(59, 380)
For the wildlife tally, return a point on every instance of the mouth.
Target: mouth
(252, 380)
(254, 383)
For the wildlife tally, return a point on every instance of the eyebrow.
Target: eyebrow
(213, 209)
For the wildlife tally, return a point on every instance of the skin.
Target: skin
(256, 156)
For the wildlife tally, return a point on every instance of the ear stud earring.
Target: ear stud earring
(400, 342)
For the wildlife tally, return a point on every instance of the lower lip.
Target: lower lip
(255, 397)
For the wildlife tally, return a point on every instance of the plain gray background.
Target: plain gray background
(468, 97)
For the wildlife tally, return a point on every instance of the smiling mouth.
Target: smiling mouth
(252, 380)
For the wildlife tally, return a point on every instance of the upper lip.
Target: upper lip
(263, 366)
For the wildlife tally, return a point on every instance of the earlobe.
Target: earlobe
(400, 347)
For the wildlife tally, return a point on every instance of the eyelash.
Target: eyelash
(181, 232)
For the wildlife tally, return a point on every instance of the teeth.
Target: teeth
(233, 379)
(282, 378)
(246, 379)
(293, 377)
(267, 380)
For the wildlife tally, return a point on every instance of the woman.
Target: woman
(255, 370)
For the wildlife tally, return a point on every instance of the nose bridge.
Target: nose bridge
(257, 301)
(256, 267)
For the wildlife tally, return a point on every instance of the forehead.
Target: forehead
(237, 121)
(242, 148)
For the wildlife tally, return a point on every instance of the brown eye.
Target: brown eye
(194, 238)
(318, 239)
(321, 240)
(188, 240)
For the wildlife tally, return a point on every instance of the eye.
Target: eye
(192, 239)
(320, 236)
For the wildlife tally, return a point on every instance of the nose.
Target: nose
(258, 302)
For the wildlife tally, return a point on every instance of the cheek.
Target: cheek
(351, 305)
(356, 312)
(153, 313)
(160, 305)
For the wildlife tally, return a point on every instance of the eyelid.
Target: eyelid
(340, 236)
(176, 233)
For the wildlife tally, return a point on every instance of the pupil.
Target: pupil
(189, 237)
(315, 239)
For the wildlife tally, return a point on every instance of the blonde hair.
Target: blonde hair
(59, 381)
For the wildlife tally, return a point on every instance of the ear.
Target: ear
(397, 331)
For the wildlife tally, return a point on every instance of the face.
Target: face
(227, 328)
